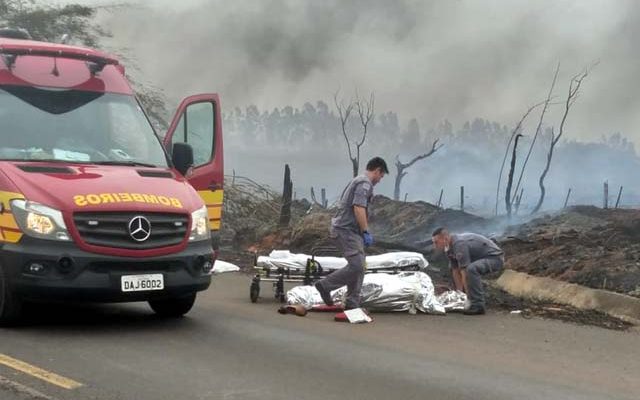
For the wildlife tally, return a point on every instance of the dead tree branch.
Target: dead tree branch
(322, 203)
(539, 127)
(507, 195)
(344, 112)
(365, 112)
(574, 90)
(401, 167)
(515, 131)
(365, 109)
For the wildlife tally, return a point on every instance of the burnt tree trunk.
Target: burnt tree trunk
(400, 167)
(619, 196)
(287, 192)
(515, 131)
(566, 200)
(507, 195)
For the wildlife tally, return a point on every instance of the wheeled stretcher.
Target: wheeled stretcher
(282, 266)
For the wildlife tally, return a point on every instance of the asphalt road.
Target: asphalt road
(228, 348)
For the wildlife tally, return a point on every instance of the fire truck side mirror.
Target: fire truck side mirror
(182, 157)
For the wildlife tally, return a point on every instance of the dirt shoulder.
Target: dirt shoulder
(589, 246)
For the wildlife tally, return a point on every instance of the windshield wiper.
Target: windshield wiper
(125, 162)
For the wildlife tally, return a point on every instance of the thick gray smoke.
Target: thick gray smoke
(432, 60)
(427, 59)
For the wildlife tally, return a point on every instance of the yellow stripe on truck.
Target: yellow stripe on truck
(7, 221)
(215, 212)
(11, 237)
(9, 231)
(6, 197)
(211, 197)
(213, 201)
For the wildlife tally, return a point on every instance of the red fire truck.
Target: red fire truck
(94, 204)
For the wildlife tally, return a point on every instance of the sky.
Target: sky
(432, 60)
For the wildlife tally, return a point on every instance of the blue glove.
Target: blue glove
(368, 238)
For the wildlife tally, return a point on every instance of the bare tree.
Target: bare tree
(507, 194)
(400, 166)
(365, 110)
(323, 203)
(539, 127)
(515, 131)
(572, 96)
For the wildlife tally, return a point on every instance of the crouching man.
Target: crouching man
(470, 256)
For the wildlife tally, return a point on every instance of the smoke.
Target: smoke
(432, 60)
(427, 59)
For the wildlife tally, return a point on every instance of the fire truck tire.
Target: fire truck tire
(10, 304)
(175, 307)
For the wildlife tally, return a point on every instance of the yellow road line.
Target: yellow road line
(31, 393)
(39, 373)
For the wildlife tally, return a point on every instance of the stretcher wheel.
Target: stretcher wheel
(254, 292)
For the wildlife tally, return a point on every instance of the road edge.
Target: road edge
(614, 304)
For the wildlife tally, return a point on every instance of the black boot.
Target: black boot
(474, 310)
(326, 296)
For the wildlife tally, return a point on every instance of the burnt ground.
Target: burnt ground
(502, 301)
(497, 299)
(584, 245)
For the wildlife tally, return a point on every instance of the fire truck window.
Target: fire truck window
(200, 131)
(74, 125)
(123, 122)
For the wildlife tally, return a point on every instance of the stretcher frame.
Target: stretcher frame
(311, 273)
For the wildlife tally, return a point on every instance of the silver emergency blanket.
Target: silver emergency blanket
(386, 261)
(220, 267)
(453, 300)
(405, 291)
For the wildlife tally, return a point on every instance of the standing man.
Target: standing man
(470, 256)
(350, 231)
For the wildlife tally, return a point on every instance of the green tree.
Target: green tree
(49, 22)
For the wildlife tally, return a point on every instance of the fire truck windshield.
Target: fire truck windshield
(75, 126)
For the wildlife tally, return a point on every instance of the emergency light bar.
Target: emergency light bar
(96, 62)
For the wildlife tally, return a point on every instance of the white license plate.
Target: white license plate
(137, 283)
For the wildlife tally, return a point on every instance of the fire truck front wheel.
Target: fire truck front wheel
(173, 307)
(10, 304)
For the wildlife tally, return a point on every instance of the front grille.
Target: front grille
(138, 266)
(112, 229)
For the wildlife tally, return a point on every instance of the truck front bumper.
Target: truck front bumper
(45, 270)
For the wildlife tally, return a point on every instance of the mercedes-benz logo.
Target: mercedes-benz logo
(139, 228)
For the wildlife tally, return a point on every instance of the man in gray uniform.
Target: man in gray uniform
(470, 256)
(350, 231)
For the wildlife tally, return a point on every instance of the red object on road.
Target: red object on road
(326, 308)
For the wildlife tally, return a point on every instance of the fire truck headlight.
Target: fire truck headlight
(39, 221)
(200, 225)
